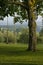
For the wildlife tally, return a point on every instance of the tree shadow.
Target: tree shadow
(18, 64)
(18, 51)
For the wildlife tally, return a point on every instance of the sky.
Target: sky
(39, 20)
(11, 22)
(4, 22)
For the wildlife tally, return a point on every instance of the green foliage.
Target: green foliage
(40, 37)
(1, 37)
(4, 4)
(39, 7)
(20, 37)
(16, 19)
(24, 36)
(41, 32)
(11, 36)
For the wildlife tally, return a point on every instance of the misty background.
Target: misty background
(3, 23)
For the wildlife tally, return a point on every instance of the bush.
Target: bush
(11, 37)
(24, 36)
(40, 39)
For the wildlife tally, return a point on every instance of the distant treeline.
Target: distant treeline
(18, 37)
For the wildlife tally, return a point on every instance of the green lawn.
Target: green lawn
(16, 54)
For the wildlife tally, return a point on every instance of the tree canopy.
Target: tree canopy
(20, 7)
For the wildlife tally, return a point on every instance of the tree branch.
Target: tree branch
(18, 3)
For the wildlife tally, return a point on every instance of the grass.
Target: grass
(16, 54)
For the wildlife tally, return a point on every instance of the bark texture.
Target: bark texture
(32, 26)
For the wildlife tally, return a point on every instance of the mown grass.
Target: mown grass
(16, 54)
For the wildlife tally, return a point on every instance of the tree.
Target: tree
(26, 9)
(41, 32)
(1, 37)
(24, 38)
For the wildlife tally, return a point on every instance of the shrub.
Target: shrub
(40, 39)
(11, 36)
(24, 36)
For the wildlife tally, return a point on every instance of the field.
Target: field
(16, 54)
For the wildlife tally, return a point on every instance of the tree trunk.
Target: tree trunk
(32, 35)
(7, 30)
(32, 27)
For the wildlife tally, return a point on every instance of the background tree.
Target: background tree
(1, 37)
(11, 37)
(24, 36)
